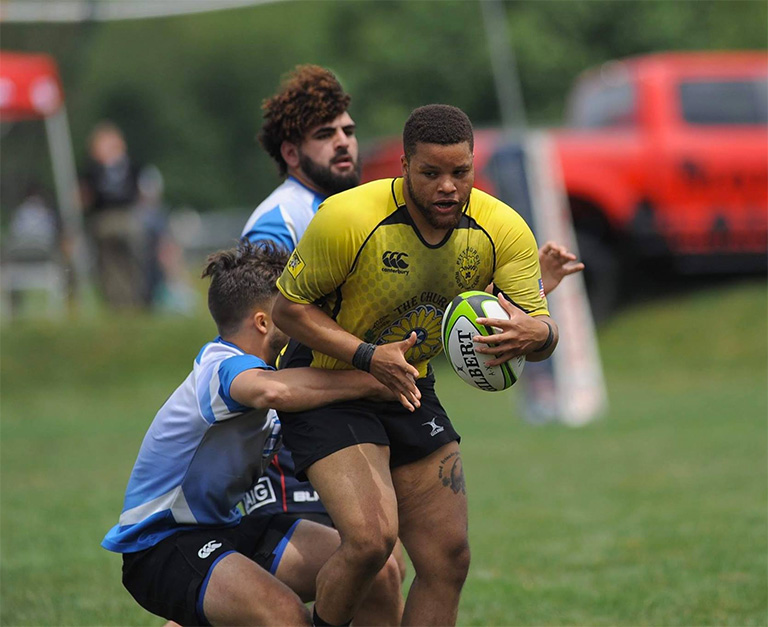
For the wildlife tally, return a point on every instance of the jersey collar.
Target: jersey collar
(397, 191)
(220, 340)
(309, 189)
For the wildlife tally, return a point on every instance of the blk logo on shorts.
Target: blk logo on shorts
(394, 261)
(207, 549)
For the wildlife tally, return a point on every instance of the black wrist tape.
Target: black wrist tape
(363, 356)
(548, 342)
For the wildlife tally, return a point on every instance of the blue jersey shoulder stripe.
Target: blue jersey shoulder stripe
(229, 369)
(199, 358)
(271, 226)
(206, 404)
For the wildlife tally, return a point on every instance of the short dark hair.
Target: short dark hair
(308, 96)
(437, 124)
(242, 279)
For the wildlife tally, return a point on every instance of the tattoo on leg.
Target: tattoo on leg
(452, 474)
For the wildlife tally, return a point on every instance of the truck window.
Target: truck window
(602, 106)
(724, 102)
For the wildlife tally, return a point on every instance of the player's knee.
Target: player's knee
(447, 563)
(296, 615)
(459, 557)
(370, 551)
(452, 566)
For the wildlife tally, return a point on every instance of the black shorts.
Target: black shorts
(170, 578)
(315, 434)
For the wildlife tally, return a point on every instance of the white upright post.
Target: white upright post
(67, 192)
(579, 385)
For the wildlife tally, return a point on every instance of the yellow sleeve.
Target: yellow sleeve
(324, 255)
(517, 272)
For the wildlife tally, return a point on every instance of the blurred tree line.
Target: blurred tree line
(187, 90)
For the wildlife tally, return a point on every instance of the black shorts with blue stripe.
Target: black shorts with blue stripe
(170, 578)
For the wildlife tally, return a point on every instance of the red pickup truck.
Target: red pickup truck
(664, 158)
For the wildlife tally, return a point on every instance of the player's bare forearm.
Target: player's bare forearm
(311, 326)
(299, 389)
(314, 328)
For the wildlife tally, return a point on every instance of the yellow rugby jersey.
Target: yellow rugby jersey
(363, 262)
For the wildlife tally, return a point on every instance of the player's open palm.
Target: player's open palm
(518, 335)
(557, 262)
(389, 366)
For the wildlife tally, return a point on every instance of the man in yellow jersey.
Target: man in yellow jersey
(366, 287)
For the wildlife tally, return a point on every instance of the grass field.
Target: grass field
(655, 515)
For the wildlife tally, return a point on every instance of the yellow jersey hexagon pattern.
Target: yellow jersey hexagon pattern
(363, 261)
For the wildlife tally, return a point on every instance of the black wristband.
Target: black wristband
(363, 356)
(548, 342)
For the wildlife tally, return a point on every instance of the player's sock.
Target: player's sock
(319, 622)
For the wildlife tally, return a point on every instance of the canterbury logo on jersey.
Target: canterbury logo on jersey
(208, 548)
(394, 261)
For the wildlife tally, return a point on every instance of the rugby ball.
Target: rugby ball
(459, 326)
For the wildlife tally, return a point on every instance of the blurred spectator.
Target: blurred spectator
(154, 221)
(35, 229)
(166, 279)
(33, 252)
(110, 188)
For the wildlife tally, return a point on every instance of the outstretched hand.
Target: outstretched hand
(389, 366)
(556, 262)
(520, 335)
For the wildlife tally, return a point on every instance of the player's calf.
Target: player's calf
(384, 603)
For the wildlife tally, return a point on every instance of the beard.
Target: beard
(326, 179)
(436, 220)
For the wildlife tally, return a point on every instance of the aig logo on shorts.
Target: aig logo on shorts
(395, 262)
(208, 548)
(261, 494)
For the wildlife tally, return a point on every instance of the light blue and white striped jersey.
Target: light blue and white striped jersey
(201, 453)
(284, 215)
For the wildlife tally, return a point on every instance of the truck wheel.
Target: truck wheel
(602, 274)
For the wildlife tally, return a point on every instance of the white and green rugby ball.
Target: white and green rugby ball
(460, 326)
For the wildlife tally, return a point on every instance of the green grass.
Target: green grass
(656, 514)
